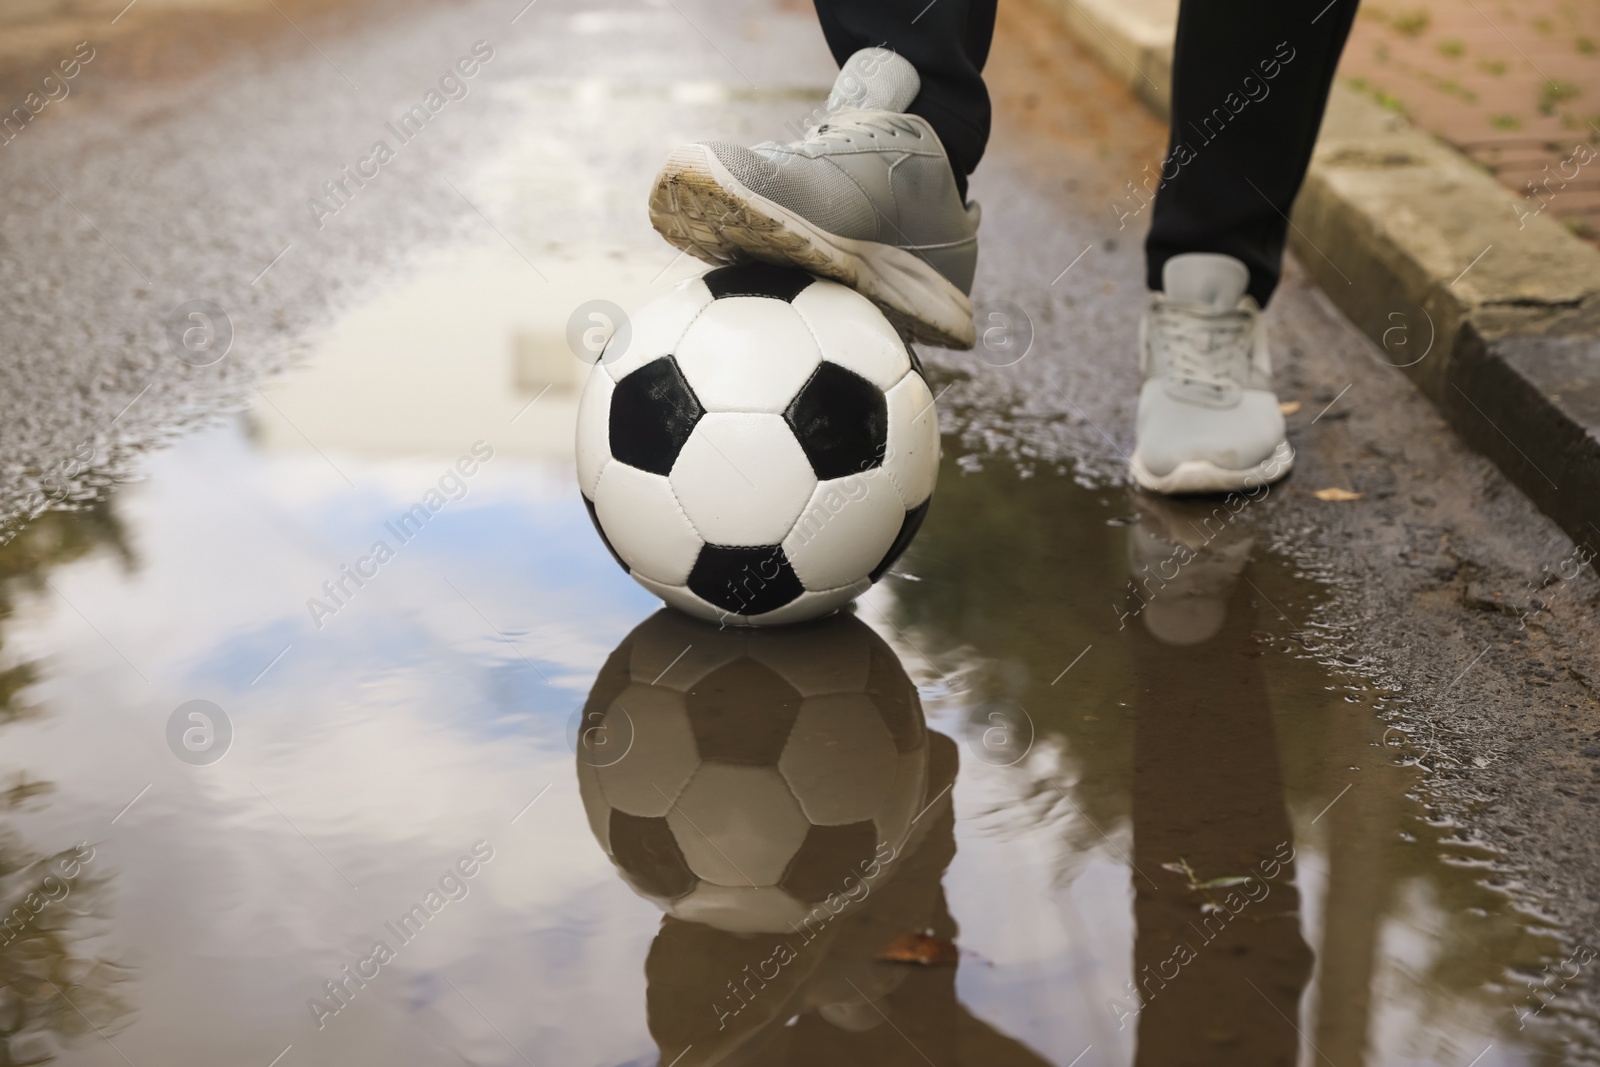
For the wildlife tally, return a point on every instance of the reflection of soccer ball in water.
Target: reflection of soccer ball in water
(765, 769)
(762, 450)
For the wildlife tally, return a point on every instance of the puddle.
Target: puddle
(483, 803)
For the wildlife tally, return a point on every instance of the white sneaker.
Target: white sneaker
(867, 198)
(1208, 419)
(1183, 564)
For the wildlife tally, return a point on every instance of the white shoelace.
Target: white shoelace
(1205, 347)
(842, 125)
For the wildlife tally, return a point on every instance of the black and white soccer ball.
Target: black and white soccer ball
(762, 447)
(739, 777)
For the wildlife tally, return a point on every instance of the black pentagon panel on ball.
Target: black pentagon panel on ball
(742, 713)
(841, 421)
(744, 581)
(757, 279)
(648, 853)
(604, 540)
(653, 411)
(908, 530)
(827, 857)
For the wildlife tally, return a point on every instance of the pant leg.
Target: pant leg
(1208, 788)
(947, 41)
(1250, 81)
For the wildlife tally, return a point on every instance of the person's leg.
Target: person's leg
(947, 41)
(1249, 84)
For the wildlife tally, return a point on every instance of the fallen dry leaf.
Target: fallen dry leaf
(1289, 407)
(915, 946)
(1336, 495)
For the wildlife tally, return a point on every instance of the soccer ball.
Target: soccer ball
(736, 778)
(759, 446)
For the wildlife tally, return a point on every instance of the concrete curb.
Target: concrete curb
(1494, 312)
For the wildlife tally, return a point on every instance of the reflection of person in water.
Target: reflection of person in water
(1219, 961)
(783, 801)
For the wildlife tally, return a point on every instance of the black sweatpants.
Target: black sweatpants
(1249, 84)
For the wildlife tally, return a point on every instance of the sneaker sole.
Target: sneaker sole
(700, 208)
(1200, 476)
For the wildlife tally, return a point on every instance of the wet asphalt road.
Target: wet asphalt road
(139, 194)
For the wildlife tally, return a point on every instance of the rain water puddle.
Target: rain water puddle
(477, 801)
